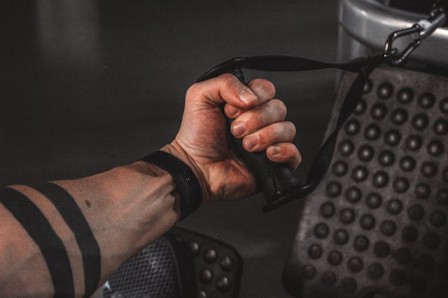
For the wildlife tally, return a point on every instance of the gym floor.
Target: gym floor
(89, 85)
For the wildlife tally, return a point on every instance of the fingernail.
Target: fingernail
(247, 96)
(238, 129)
(275, 150)
(251, 142)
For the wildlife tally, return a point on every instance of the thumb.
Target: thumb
(225, 88)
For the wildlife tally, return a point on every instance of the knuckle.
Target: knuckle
(227, 76)
(283, 132)
(262, 141)
(231, 111)
(194, 90)
(270, 87)
(296, 157)
(258, 120)
(279, 107)
(291, 128)
(228, 80)
(299, 158)
(254, 119)
(264, 86)
(273, 132)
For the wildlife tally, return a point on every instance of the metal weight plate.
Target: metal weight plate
(377, 226)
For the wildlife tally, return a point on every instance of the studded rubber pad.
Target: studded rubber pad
(154, 271)
(218, 266)
(377, 225)
(151, 273)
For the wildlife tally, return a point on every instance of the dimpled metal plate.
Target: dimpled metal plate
(377, 226)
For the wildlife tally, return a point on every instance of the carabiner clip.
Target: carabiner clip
(391, 53)
(417, 33)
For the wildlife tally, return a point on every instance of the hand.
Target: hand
(202, 141)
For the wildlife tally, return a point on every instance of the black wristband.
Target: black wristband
(184, 178)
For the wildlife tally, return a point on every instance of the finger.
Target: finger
(285, 153)
(225, 88)
(259, 117)
(232, 112)
(279, 132)
(263, 89)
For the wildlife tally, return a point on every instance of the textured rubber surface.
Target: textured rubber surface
(218, 266)
(181, 264)
(152, 273)
(377, 225)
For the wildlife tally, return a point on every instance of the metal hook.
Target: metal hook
(417, 33)
(391, 53)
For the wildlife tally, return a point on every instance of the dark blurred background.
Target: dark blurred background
(88, 85)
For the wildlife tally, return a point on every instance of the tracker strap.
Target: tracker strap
(184, 178)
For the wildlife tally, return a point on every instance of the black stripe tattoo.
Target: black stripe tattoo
(73, 216)
(49, 243)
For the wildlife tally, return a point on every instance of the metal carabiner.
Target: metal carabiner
(391, 53)
(417, 33)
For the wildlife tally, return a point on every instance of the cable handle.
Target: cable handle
(277, 181)
(272, 179)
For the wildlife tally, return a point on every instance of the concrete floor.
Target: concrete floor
(88, 85)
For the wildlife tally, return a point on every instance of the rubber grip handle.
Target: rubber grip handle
(273, 179)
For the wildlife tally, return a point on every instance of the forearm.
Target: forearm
(125, 208)
(66, 238)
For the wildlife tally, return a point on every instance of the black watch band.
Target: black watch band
(187, 184)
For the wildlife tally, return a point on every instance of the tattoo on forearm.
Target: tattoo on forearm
(49, 243)
(73, 216)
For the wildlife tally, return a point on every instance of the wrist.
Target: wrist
(185, 180)
(177, 151)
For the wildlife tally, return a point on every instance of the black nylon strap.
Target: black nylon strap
(288, 63)
(184, 178)
(280, 63)
(49, 243)
(323, 158)
(73, 216)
